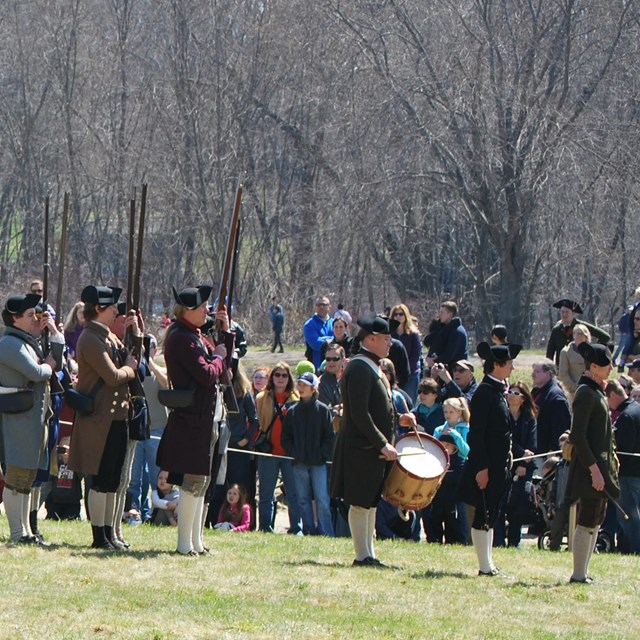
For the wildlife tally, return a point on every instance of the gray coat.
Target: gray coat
(24, 435)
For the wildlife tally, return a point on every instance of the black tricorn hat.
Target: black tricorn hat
(16, 305)
(570, 304)
(595, 353)
(498, 352)
(375, 323)
(192, 297)
(102, 296)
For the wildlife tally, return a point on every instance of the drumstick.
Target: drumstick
(408, 453)
(415, 430)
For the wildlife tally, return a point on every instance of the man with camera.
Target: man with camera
(461, 385)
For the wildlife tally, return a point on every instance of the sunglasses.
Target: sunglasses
(426, 391)
(333, 359)
(398, 313)
(280, 375)
(514, 392)
(259, 377)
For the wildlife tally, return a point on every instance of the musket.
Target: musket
(132, 342)
(63, 254)
(55, 386)
(229, 395)
(132, 244)
(135, 270)
(234, 270)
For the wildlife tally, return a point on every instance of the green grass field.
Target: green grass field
(278, 586)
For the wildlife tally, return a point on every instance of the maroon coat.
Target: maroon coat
(186, 441)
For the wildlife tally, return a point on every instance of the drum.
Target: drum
(414, 479)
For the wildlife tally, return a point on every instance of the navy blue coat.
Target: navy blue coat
(490, 429)
(554, 415)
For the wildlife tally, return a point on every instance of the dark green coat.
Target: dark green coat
(592, 439)
(368, 423)
(559, 338)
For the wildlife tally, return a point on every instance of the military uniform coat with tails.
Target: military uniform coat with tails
(489, 439)
(592, 438)
(100, 356)
(368, 423)
(185, 446)
(24, 435)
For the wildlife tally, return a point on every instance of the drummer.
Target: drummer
(485, 475)
(364, 443)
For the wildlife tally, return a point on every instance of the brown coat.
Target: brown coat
(99, 356)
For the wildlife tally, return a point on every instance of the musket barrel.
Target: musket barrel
(63, 254)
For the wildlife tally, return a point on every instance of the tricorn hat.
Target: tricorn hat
(102, 296)
(375, 323)
(570, 304)
(498, 352)
(16, 305)
(595, 353)
(192, 297)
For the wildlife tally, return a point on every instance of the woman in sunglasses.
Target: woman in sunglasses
(515, 503)
(408, 334)
(273, 403)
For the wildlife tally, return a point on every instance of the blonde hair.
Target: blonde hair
(582, 330)
(408, 325)
(460, 405)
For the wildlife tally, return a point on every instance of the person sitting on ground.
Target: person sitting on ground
(164, 499)
(391, 526)
(235, 514)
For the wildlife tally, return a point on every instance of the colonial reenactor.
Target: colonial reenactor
(99, 438)
(593, 470)
(187, 447)
(25, 405)
(366, 435)
(486, 472)
(562, 332)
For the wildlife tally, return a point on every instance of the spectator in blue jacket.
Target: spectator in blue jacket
(554, 413)
(317, 330)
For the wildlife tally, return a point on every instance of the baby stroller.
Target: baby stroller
(550, 490)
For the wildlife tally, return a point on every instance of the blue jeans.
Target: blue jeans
(268, 470)
(626, 339)
(312, 483)
(144, 459)
(630, 502)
